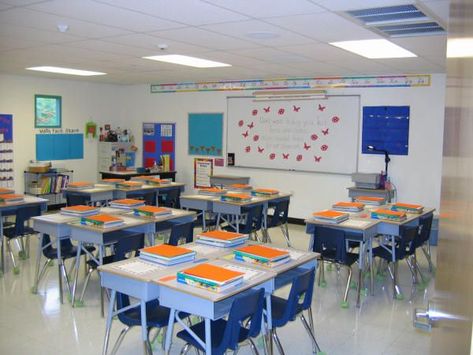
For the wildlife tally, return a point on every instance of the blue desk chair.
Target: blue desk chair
(425, 227)
(148, 197)
(279, 219)
(251, 221)
(182, 232)
(299, 300)
(19, 232)
(170, 198)
(247, 308)
(403, 249)
(127, 242)
(332, 245)
(74, 200)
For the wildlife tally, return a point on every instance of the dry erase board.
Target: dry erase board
(319, 135)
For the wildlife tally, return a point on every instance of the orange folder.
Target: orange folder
(390, 212)
(408, 205)
(113, 180)
(128, 201)
(350, 204)
(263, 251)
(241, 186)
(329, 214)
(167, 251)
(214, 273)
(80, 184)
(212, 189)
(79, 208)
(131, 183)
(103, 218)
(267, 191)
(238, 196)
(5, 191)
(221, 235)
(152, 209)
(370, 198)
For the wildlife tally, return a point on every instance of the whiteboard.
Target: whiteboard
(319, 135)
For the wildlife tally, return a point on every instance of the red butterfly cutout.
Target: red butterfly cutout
(317, 159)
(266, 109)
(295, 108)
(321, 108)
(251, 125)
(285, 156)
(306, 146)
(260, 150)
(245, 134)
(325, 131)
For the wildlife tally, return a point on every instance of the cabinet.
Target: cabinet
(115, 154)
(48, 185)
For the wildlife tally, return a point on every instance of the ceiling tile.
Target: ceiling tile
(189, 12)
(424, 46)
(439, 8)
(345, 5)
(20, 33)
(413, 65)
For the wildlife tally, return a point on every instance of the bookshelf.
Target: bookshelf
(48, 185)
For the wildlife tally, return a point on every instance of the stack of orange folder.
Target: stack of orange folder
(262, 255)
(102, 220)
(349, 206)
(221, 238)
(79, 185)
(167, 254)
(330, 216)
(11, 198)
(80, 210)
(210, 277)
(127, 203)
(151, 211)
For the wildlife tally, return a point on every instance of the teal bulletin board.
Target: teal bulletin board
(205, 134)
(59, 146)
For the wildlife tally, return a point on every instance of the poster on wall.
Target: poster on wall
(159, 145)
(205, 134)
(6, 151)
(203, 169)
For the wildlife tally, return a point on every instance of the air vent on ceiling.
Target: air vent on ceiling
(398, 21)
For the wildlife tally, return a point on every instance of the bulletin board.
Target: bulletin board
(386, 128)
(7, 174)
(205, 133)
(159, 143)
(59, 146)
(319, 135)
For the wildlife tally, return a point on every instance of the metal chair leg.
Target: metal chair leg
(311, 323)
(9, 250)
(254, 350)
(185, 349)
(277, 342)
(358, 288)
(285, 233)
(428, 256)
(315, 346)
(413, 271)
(347, 288)
(120, 338)
(86, 283)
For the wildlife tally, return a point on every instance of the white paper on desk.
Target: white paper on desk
(355, 223)
(293, 254)
(58, 218)
(203, 249)
(249, 273)
(138, 267)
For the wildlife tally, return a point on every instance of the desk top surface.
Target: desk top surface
(28, 200)
(134, 172)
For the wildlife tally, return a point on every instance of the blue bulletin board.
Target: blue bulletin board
(59, 146)
(386, 128)
(159, 144)
(6, 128)
(205, 133)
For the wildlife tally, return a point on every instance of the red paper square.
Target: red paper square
(167, 147)
(149, 162)
(150, 146)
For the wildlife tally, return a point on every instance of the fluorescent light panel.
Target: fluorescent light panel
(374, 49)
(69, 71)
(460, 48)
(188, 61)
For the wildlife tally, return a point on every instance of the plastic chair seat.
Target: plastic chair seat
(330, 255)
(67, 249)
(11, 233)
(156, 315)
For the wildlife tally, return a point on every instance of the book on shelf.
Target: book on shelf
(80, 210)
(80, 185)
(388, 215)
(221, 238)
(210, 277)
(151, 211)
(167, 254)
(130, 184)
(11, 198)
(236, 197)
(4, 191)
(330, 216)
(127, 203)
(211, 191)
(243, 187)
(262, 255)
(102, 220)
(407, 207)
(348, 206)
(371, 200)
(264, 192)
(158, 182)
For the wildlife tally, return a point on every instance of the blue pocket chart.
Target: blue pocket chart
(59, 146)
(386, 128)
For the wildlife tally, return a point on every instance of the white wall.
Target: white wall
(81, 102)
(417, 176)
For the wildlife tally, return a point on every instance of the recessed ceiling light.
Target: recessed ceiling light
(262, 35)
(374, 49)
(186, 60)
(69, 71)
(460, 48)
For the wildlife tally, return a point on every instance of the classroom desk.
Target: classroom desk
(100, 193)
(12, 207)
(128, 174)
(202, 203)
(227, 180)
(120, 193)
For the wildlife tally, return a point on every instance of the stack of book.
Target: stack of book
(158, 182)
(11, 198)
(236, 197)
(407, 207)
(167, 254)
(348, 206)
(151, 211)
(264, 192)
(241, 187)
(212, 191)
(4, 191)
(370, 200)
(127, 203)
(102, 220)
(80, 185)
(262, 255)
(221, 239)
(130, 185)
(112, 182)
(388, 215)
(143, 178)
(80, 210)
(210, 277)
(330, 216)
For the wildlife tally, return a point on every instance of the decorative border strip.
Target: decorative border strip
(339, 82)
